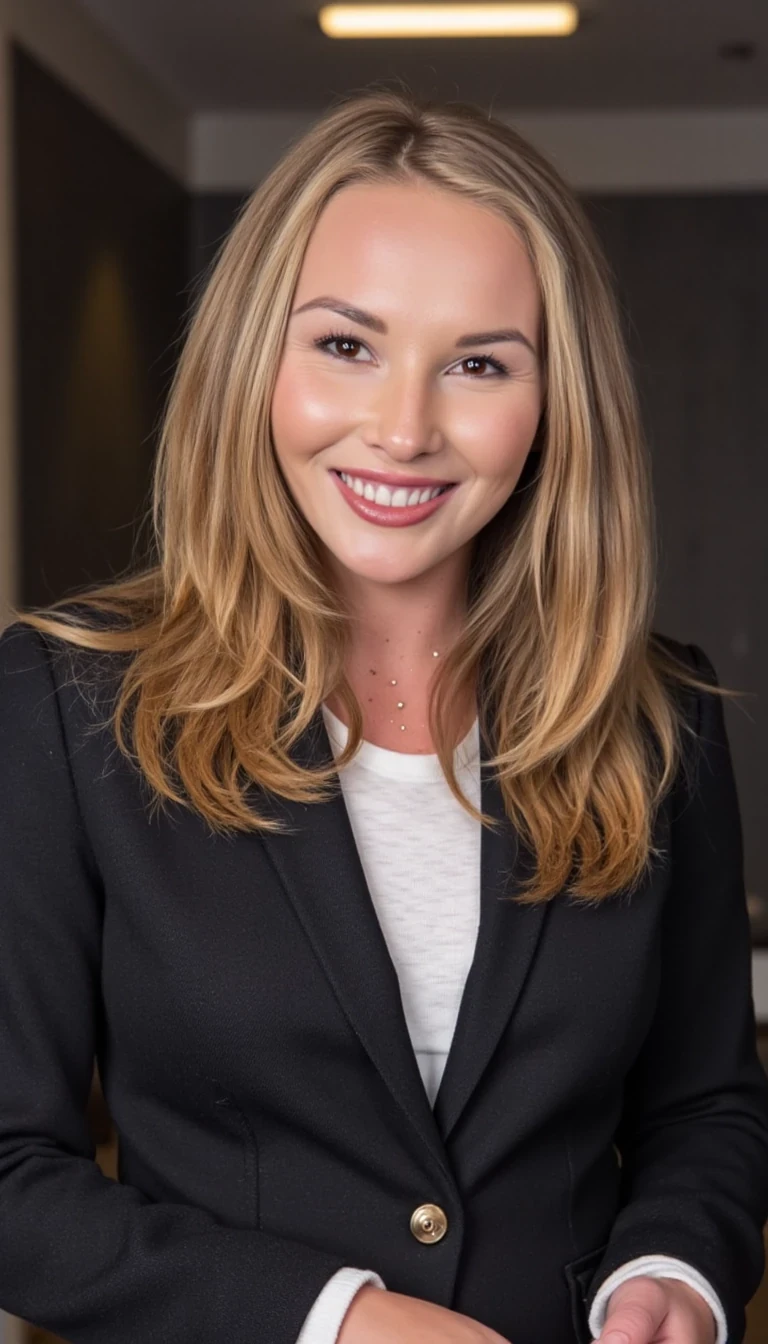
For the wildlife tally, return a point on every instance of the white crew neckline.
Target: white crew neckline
(402, 765)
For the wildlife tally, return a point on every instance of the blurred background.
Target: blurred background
(132, 130)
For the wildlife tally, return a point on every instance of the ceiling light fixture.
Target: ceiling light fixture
(468, 20)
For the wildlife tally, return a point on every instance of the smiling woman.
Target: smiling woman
(406, 396)
(481, 347)
(386, 857)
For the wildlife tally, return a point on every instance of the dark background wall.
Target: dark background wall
(692, 276)
(101, 248)
(211, 216)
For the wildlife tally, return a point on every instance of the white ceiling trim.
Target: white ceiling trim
(616, 151)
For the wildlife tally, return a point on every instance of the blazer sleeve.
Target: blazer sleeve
(693, 1133)
(89, 1258)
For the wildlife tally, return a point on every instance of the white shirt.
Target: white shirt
(420, 852)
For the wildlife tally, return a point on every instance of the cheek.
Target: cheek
(495, 438)
(305, 409)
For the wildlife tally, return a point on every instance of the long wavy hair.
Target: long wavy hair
(234, 633)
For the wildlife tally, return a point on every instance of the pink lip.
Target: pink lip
(388, 478)
(387, 516)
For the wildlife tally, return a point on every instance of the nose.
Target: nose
(404, 421)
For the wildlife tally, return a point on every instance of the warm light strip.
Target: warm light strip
(544, 20)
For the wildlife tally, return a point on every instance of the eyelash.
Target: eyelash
(323, 342)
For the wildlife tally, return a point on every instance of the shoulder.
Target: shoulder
(701, 732)
(674, 662)
(45, 678)
(24, 664)
(690, 656)
(705, 751)
(31, 735)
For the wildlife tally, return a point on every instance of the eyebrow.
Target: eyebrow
(365, 319)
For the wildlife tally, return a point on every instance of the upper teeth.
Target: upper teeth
(384, 494)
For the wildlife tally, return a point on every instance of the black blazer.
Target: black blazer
(602, 1098)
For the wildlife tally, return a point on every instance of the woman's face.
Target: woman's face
(408, 384)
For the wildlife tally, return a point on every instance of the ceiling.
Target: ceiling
(257, 54)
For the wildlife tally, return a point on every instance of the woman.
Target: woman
(385, 858)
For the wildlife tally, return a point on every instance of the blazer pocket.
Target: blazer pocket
(579, 1274)
(250, 1157)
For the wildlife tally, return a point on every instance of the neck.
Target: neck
(398, 626)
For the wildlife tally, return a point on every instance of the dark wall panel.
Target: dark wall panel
(102, 268)
(211, 219)
(692, 274)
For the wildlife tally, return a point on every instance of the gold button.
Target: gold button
(428, 1223)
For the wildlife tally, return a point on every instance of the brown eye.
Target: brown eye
(488, 361)
(350, 344)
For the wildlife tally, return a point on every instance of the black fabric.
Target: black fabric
(245, 1013)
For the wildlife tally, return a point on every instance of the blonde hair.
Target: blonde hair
(236, 635)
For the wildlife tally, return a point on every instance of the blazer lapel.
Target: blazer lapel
(507, 938)
(320, 869)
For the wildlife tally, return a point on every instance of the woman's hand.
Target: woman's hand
(378, 1316)
(645, 1310)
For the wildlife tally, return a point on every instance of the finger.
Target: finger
(635, 1313)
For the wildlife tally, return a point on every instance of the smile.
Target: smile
(387, 505)
(396, 497)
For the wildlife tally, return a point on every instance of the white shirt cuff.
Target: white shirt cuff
(658, 1267)
(323, 1322)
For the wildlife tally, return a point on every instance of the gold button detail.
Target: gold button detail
(429, 1223)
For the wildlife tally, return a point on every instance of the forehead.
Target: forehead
(386, 242)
